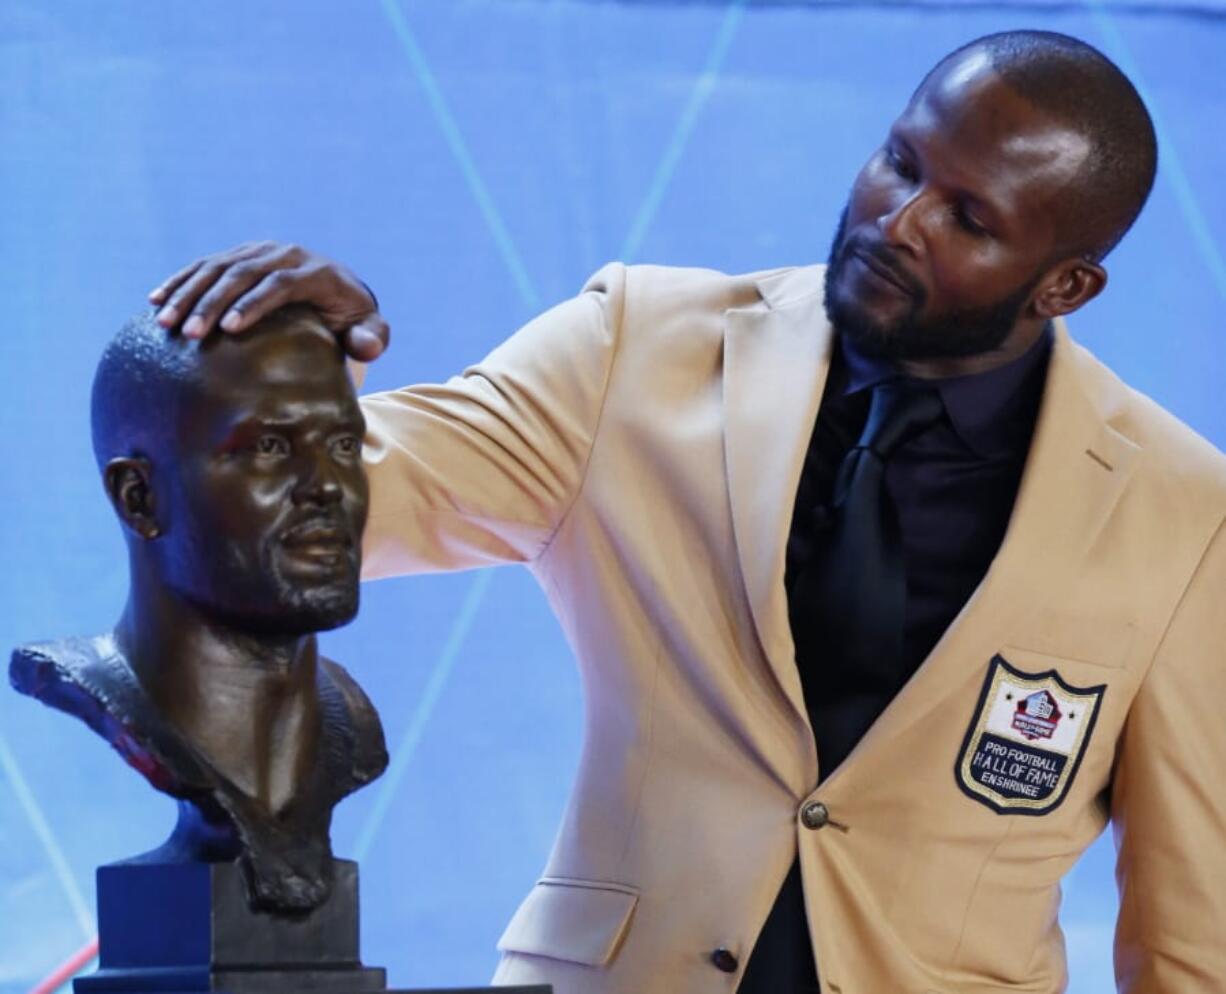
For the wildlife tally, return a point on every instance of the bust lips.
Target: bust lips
(321, 543)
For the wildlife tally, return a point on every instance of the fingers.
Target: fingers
(264, 294)
(160, 292)
(236, 289)
(184, 297)
(247, 291)
(215, 276)
(368, 339)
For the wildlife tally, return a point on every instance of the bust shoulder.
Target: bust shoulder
(349, 715)
(89, 677)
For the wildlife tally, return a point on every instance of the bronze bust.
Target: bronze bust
(234, 466)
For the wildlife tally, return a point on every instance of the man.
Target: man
(234, 468)
(837, 717)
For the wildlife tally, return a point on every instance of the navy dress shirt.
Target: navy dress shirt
(953, 487)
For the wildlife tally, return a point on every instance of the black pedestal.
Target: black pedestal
(181, 928)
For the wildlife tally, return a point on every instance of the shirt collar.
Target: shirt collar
(991, 412)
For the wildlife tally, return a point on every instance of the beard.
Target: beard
(953, 335)
(250, 587)
(293, 608)
(275, 600)
(273, 604)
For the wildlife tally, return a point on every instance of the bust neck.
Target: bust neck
(247, 703)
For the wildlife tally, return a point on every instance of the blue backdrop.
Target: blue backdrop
(436, 146)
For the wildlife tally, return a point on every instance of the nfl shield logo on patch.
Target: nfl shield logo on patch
(1037, 715)
(1026, 739)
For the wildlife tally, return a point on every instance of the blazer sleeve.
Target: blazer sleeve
(1169, 803)
(483, 468)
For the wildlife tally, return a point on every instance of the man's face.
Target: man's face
(266, 498)
(953, 222)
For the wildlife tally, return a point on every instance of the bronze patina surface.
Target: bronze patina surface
(234, 466)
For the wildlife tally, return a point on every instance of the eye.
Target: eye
(967, 222)
(901, 166)
(347, 445)
(271, 445)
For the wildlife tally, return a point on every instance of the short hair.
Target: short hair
(147, 373)
(138, 389)
(1082, 88)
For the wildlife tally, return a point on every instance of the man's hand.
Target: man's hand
(234, 289)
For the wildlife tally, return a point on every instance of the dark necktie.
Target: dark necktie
(849, 603)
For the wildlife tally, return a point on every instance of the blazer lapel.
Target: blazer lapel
(1077, 468)
(776, 355)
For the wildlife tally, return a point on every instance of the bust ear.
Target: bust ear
(1068, 286)
(129, 484)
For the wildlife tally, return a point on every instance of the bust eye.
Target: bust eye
(347, 445)
(271, 445)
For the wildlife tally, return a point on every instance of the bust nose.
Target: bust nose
(318, 479)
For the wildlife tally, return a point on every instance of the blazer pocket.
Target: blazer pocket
(581, 921)
(1085, 639)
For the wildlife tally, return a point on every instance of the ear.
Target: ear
(129, 484)
(1068, 286)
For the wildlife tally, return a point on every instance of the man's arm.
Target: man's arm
(483, 468)
(1169, 803)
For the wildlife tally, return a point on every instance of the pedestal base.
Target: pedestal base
(185, 928)
(301, 987)
(304, 988)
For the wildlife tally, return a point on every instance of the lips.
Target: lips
(887, 273)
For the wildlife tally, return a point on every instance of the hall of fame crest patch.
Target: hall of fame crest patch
(1026, 739)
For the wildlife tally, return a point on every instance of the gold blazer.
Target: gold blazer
(638, 448)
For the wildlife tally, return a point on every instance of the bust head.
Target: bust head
(234, 465)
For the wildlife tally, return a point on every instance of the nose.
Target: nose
(318, 479)
(901, 228)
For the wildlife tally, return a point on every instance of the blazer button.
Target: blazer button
(724, 960)
(814, 815)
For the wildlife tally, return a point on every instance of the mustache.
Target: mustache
(885, 262)
(317, 529)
